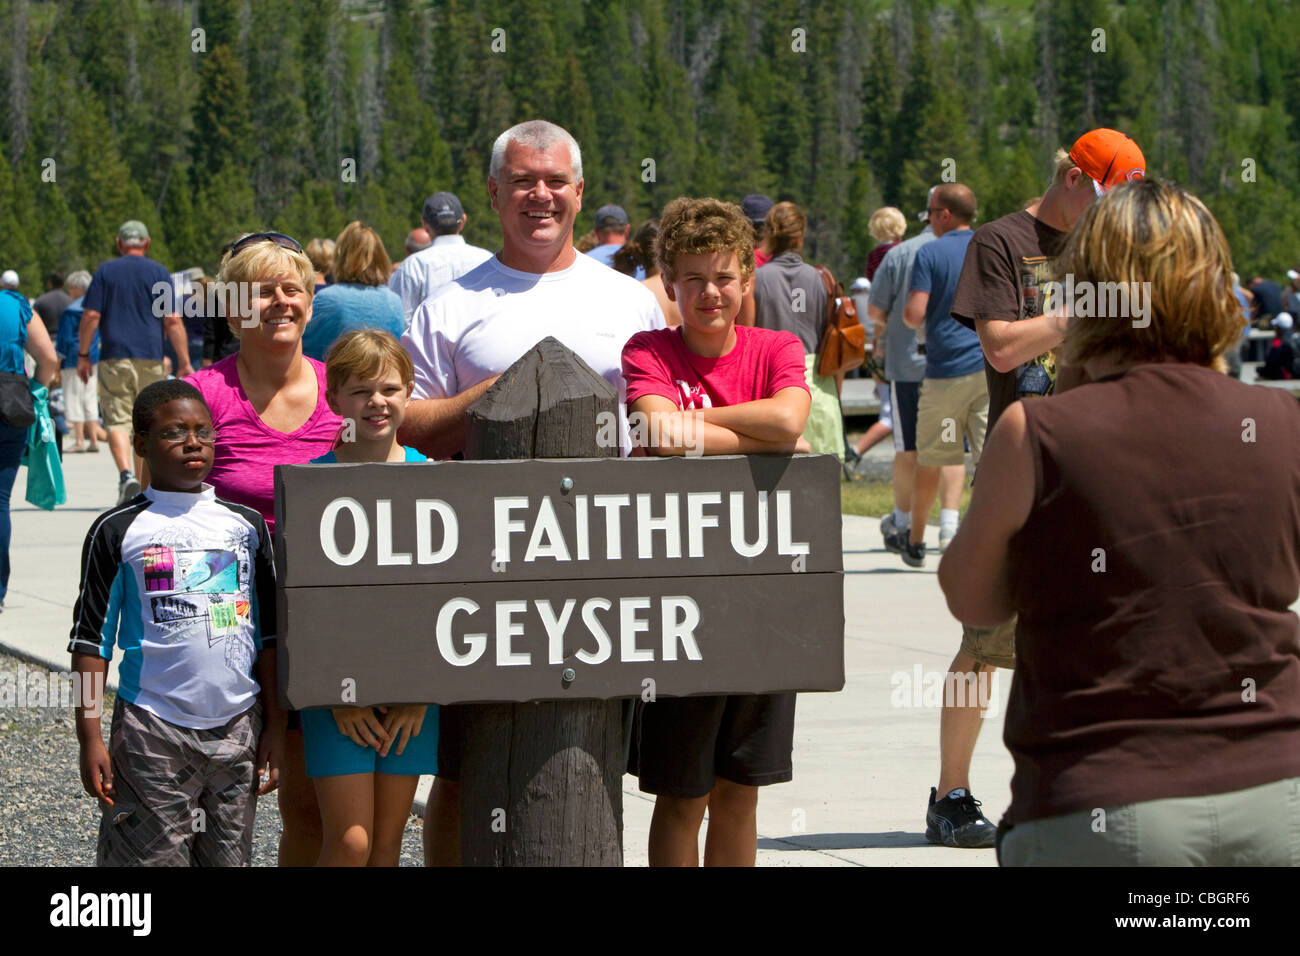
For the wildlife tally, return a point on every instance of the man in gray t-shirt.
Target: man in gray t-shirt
(905, 369)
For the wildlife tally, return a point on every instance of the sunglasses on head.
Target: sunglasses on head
(279, 238)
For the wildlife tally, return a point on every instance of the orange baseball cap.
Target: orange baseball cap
(1109, 157)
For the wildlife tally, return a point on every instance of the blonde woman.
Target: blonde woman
(886, 225)
(1145, 527)
(359, 297)
(269, 408)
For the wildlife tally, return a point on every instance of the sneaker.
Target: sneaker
(128, 488)
(887, 531)
(956, 821)
(944, 539)
(913, 554)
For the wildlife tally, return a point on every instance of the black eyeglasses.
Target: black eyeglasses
(279, 238)
(176, 435)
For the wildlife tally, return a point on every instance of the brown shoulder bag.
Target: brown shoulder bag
(844, 340)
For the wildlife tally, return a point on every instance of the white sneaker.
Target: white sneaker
(944, 539)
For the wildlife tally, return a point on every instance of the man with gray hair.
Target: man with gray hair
(478, 325)
(120, 304)
(423, 273)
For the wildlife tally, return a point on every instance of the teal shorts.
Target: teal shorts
(330, 753)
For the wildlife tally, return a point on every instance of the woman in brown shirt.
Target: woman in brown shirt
(1145, 526)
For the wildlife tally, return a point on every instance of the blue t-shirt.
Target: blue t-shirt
(343, 306)
(329, 459)
(951, 349)
(123, 291)
(15, 313)
(69, 343)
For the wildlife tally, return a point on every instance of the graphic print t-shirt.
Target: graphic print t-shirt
(762, 362)
(1008, 264)
(184, 586)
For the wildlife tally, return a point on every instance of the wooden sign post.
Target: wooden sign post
(555, 767)
(578, 583)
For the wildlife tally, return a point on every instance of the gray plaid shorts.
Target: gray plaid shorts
(184, 797)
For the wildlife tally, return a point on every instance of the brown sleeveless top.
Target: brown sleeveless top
(1155, 653)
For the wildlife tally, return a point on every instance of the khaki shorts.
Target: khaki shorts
(120, 381)
(993, 646)
(1255, 827)
(951, 408)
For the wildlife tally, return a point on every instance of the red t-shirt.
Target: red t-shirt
(762, 362)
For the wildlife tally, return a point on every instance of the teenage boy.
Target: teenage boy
(184, 584)
(712, 387)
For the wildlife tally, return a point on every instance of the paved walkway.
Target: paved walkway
(863, 767)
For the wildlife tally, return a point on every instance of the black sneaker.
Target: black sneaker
(896, 541)
(956, 821)
(913, 554)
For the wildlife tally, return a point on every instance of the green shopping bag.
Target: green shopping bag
(44, 470)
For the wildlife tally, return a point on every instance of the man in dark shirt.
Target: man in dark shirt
(1268, 298)
(50, 306)
(1001, 295)
(130, 302)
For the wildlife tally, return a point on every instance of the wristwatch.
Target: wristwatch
(83, 355)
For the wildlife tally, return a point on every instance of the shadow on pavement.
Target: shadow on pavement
(893, 839)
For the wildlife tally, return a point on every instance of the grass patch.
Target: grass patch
(874, 499)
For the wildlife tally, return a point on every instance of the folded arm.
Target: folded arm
(1008, 344)
(779, 418)
(664, 429)
(436, 426)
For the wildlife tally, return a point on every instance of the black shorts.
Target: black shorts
(906, 399)
(680, 745)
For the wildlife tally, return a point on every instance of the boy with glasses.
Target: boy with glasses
(184, 584)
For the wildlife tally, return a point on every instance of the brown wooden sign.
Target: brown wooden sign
(559, 579)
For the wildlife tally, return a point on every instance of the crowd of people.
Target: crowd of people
(708, 319)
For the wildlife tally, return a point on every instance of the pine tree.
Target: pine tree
(223, 127)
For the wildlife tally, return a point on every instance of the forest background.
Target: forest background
(207, 119)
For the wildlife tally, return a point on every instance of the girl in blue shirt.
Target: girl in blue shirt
(366, 761)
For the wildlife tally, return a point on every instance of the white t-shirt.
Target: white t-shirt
(425, 272)
(479, 325)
